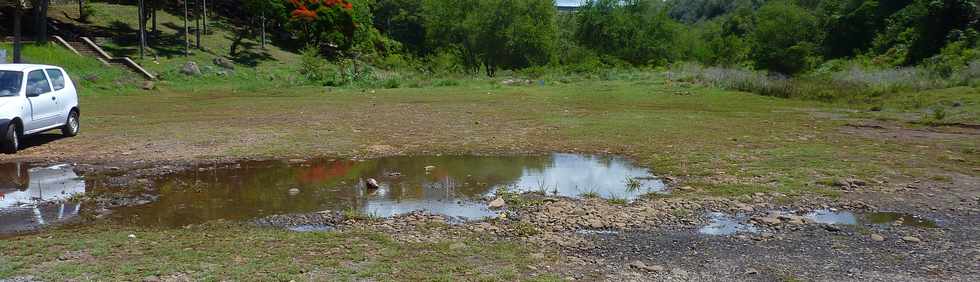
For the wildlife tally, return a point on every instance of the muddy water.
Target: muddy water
(450, 185)
(34, 196)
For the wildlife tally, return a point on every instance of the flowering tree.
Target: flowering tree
(326, 24)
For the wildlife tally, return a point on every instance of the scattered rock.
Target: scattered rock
(293, 191)
(149, 85)
(497, 203)
(190, 68)
(831, 227)
(877, 238)
(642, 266)
(769, 220)
(429, 168)
(537, 256)
(751, 271)
(686, 188)
(370, 183)
(224, 63)
(132, 236)
(911, 239)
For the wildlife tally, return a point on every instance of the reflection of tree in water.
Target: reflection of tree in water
(262, 188)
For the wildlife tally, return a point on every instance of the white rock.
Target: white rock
(497, 203)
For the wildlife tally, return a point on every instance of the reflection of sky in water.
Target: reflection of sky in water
(465, 210)
(25, 194)
(832, 217)
(573, 175)
(43, 184)
(723, 224)
(447, 185)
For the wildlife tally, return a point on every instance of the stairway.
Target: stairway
(84, 46)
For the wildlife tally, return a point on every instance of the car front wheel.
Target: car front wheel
(10, 140)
(71, 125)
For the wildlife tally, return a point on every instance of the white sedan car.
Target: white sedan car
(35, 99)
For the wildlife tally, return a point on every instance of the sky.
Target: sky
(569, 2)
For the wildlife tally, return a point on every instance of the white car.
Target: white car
(35, 99)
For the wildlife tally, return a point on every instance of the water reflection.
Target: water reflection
(449, 185)
(723, 224)
(31, 197)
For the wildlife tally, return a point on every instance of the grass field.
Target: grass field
(722, 143)
(225, 251)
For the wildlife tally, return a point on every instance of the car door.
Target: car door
(44, 106)
(61, 90)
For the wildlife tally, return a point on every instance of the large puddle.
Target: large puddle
(31, 197)
(454, 186)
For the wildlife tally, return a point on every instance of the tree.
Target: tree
(402, 21)
(637, 31)
(326, 24)
(40, 20)
(263, 10)
(784, 38)
(493, 34)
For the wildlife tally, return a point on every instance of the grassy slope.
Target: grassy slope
(89, 74)
(166, 53)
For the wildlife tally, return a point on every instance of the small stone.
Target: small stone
(831, 228)
(149, 85)
(497, 203)
(911, 239)
(224, 63)
(642, 266)
(151, 279)
(370, 183)
(877, 238)
(190, 68)
(537, 256)
(686, 188)
(132, 236)
(751, 271)
(293, 191)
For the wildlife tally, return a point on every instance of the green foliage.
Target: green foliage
(327, 25)
(784, 38)
(492, 34)
(638, 31)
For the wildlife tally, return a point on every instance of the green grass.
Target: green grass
(236, 252)
(90, 75)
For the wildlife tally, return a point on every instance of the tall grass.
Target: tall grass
(855, 84)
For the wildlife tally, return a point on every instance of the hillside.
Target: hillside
(114, 27)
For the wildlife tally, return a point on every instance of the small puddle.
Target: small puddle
(311, 228)
(449, 185)
(34, 196)
(897, 218)
(832, 217)
(724, 224)
(878, 218)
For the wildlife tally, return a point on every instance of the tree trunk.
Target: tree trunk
(154, 19)
(142, 27)
(41, 21)
(187, 33)
(197, 27)
(17, 27)
(81, 11)
(263, 30)
(204, 17)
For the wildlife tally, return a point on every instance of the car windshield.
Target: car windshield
(10, 83)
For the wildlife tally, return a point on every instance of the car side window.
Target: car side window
(37, 83)
(57, 79)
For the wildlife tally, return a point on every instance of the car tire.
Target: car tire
(71, 127)
(11, 140)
